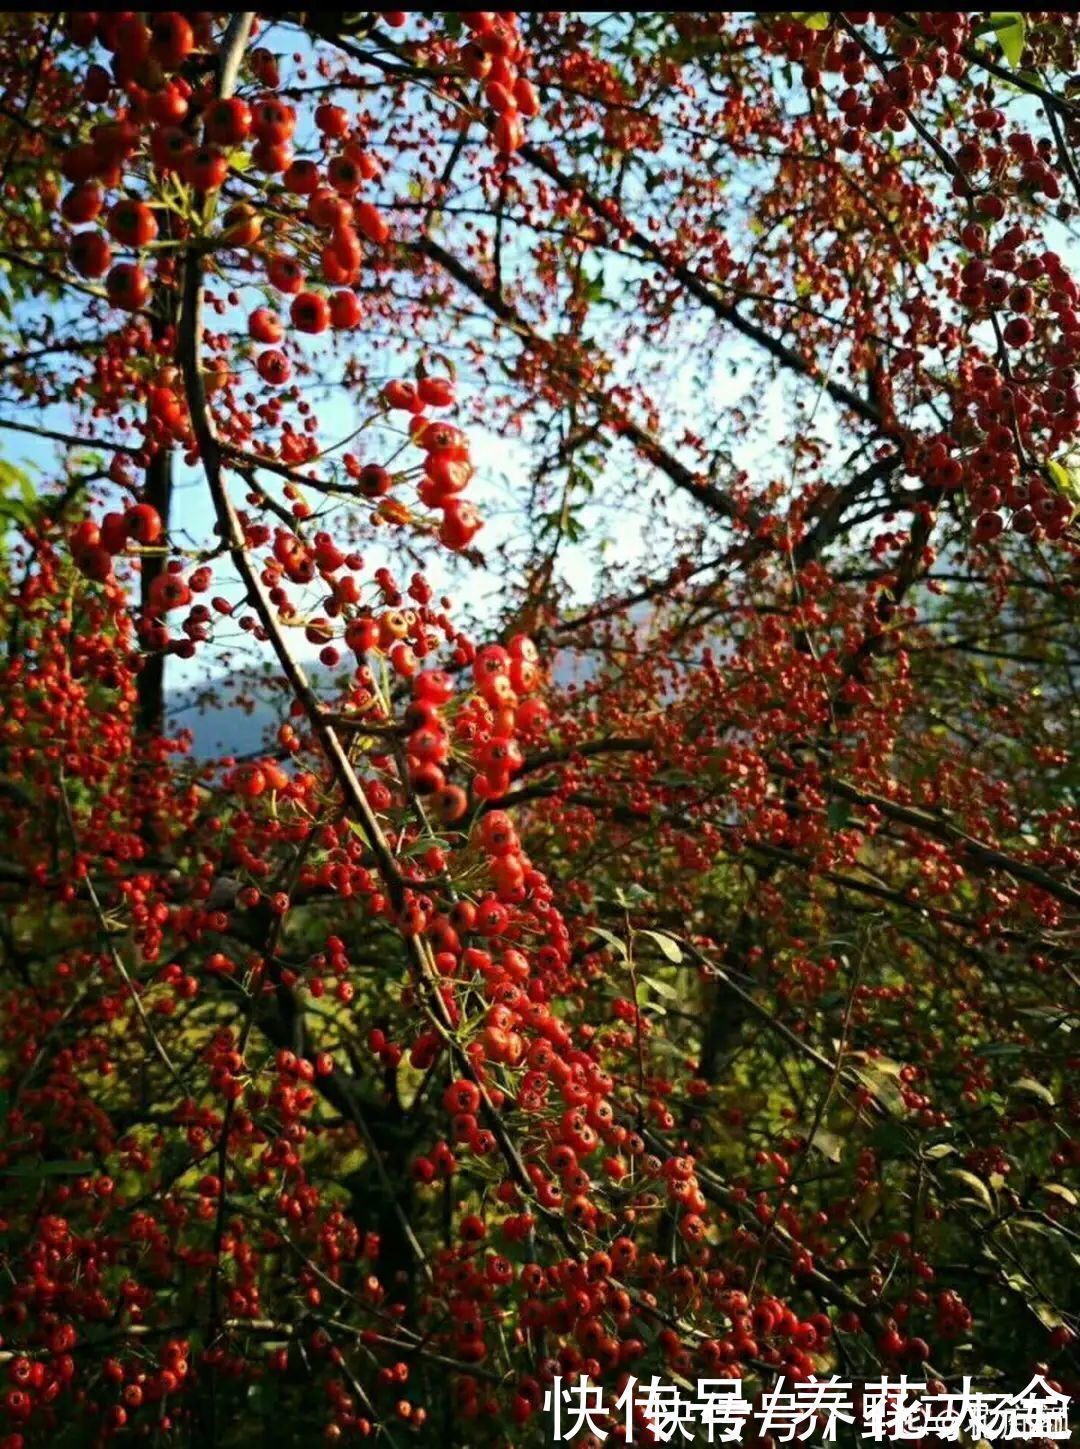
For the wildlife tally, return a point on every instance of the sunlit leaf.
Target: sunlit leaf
(668, 946)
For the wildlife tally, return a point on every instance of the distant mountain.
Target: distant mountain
(240, 714)
(225, 729)
(227, 714)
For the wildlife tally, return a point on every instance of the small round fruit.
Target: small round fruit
(310, 312)
(128, 286)
(89, 254)
(132, 223)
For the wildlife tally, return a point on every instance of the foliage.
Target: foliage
(669, 967)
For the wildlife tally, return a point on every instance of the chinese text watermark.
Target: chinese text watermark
(716, 1412)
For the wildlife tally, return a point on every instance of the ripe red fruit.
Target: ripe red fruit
(450, 804)
(285, 273)
(499, 97)
(442, 437)
(252, 782)
(114, 533)
(80, 162)
(528, 102)
(169, 106)
(269, 158)
(508, 133)
(329, 211)
(167, 592)
(492, 660)
(345, 310)
(491, 918)
(333, 273)
(700, 717)
(82, 203)
(434, 686)
(448, 472)
(362, 635)
(227, 123)
(171, 38)
(169, 147)
(80, 27)
(128, 286)
(374, 481)
(205, 168)
(345, 248)
(402, 395)
(89, 254)
(143, 524)
(272, 120)
(97, 86)
(241, 225)
(301, 178)
(95, 563)
(310, 312)
(1024, 521)
(265, 68)
(132, 39)
(990, 206)
(332, 120)
(372, 224)
(436, 392)
(1018, 332)
(461, 1096)
(365, 162)
(264, 326)
(989, 526)
(84, 536)
(522, 647)
(132, 224)
(274, 367)
(344, 175)
(500, 755)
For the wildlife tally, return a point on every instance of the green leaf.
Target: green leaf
(1064, 479)
(1048, 1317)
(35, 1170)
(1057, 1189)
(839, 813)
(828, 1144)
(669, 947)
(12, 477)
(424, 843)
(612, 940)
(880, 1076)
(812, 19)
(662, 988)
(1034, 1089)
(594, 288)
(1032, 1225)
(631, 895)
(408, 1081)
(1010, 28)
(979, 1192)
(1058, 472)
